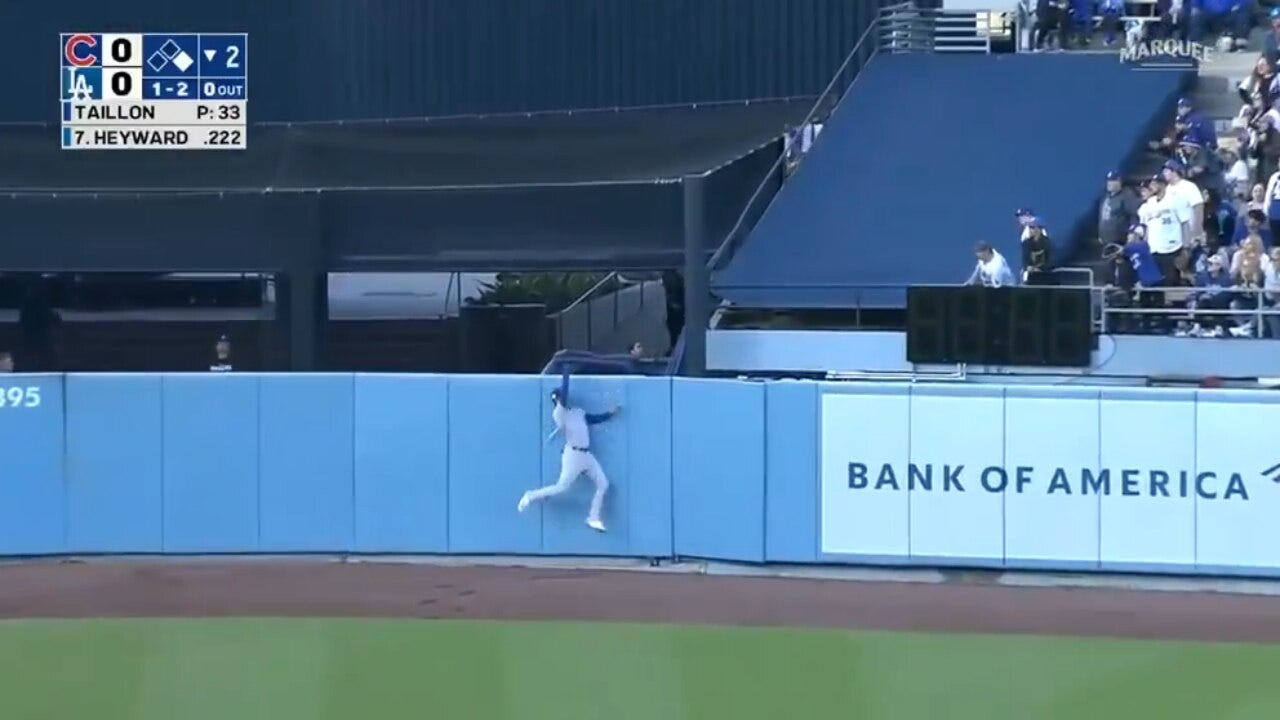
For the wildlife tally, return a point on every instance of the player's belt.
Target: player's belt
(580, 449)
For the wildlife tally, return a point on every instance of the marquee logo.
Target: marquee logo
(1125, 482)
(1166, 54)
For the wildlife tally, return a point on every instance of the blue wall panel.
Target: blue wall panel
(114, 464)
(635, 451)
(401, 463)
(646, 419)
(495, 451)
(210, 462)
(307, 478)
(32, 494)
(791, 466)
(717, 451)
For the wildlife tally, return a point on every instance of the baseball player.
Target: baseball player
(577, 457)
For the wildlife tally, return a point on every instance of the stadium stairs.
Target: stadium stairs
(1213, 96)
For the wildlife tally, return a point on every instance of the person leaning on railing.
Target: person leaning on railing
(991, 270)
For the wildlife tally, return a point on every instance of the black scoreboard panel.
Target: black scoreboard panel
(1035, 326)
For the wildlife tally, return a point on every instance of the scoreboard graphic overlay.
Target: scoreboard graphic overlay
(154, 91)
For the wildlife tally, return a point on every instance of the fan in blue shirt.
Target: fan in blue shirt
(1254, 220)
(1139, 254)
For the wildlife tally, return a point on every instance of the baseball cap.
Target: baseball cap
(1184, 102)
(1275, 13)
(1138, 228)
(1020, 212)
(1175, 166)
(1113, 175)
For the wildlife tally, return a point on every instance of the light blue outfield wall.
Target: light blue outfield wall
(198, 463)
(786, 471)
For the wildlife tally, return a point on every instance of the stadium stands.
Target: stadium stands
(928, 155)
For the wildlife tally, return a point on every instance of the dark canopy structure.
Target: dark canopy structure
(564, 191)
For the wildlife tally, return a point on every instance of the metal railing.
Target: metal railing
(1115, 310)
(822, 108)
(1247, 311)
(912, 29)
(573, 334)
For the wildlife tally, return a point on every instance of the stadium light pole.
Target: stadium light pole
(697, 312)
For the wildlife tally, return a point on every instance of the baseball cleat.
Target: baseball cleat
(524, 503)
(595, 525)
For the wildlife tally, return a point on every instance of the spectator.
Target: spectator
(1188, 201)
(1271, 284)
(221, 356)
(1171, 23)
(6, 362)
(1231, 18)
(1077, 24)
(1184, 263)
(1025, 216)
(1219, 220)
(1257, 199)
(1146, 274)
(1200, 165)
(796, 141)
(1255, 224)
(991, 269)
(1188, 121)
(636, 350)
(1035, 254)
(1111, 11)
(1271, 45)
(1256, 90)
(1117, 212)
(1271, 203)
(1166, 220)
(1235, 175)
(1202, 254)
(1248, 284)
(1119, 282)
(1212, 293)
(1266, 140)
(1051, 17)
(1250, 251)
(1242, 128)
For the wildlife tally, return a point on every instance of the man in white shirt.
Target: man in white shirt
(577, 458)
(1185, 192)
(1166, 218)
(991, 270)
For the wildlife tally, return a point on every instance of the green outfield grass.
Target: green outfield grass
(376, 670)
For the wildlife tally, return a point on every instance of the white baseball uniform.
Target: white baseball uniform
(576, 457)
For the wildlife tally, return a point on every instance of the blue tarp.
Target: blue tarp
(930, 154)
